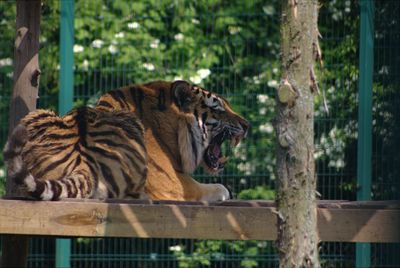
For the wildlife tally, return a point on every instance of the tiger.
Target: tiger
(139, 141)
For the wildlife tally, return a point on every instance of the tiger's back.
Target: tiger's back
(88, 153)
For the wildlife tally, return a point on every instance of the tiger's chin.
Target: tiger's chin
(213, 159)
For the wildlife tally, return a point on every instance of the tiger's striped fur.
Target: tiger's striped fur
(88, 153)
(165, 128)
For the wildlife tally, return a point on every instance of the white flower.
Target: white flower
(113, 49)
(196, 79)
(262, 111)
(178, 78)
(78, 48)
(203, 73)
(266, 128)
(85, 65)
(195, 21)
(175, 248)
(262, 98)
(256, 80)
(155, 43)
(269, 10)
(120, 35)
(148, 66)
(133, 25)
(275, 70)
(318, 154)
(245, 167)
(97, 43)
(2, 173)
(179, 37)
(273, 83)
(6, 62)
(234, 29)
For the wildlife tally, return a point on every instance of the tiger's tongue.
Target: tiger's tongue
(216, 150)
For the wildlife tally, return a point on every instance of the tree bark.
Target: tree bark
(294, 126)
(25, 94)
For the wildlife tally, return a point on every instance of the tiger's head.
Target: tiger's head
(206, 122)
(188, 122)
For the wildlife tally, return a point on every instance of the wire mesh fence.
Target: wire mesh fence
(231, 48)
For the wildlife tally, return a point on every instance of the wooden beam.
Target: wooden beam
(242, 220)
(25, 93)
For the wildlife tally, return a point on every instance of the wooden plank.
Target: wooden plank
(170, 219)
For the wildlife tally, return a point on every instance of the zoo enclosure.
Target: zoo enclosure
(243, 66)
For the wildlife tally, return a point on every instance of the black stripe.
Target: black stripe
(126, 148)
(80, 185)
(137, 137)
(137, 96)
(54, 164)
(95, 176)
(88, 157)
(65, 170)
(57, 149)
(104, 153)
(108, 176)
(38, 133)
(194, 147)
(104, 103)
(119, 97)
(40, 187)
(81, 118)
(61, 136)
(204, 116)
(38, 116)
(74, 188)
(161, 100)
(39, 161)
(57, 123)
(67, 183)
(212, 124)
(56, 189)
(54, 145)
(128, 180)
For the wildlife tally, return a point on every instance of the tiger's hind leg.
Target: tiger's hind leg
(137, 191)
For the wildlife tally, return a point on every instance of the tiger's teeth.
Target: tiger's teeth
(235, 141)
(223, 159)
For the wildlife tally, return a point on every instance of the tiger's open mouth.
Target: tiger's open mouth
(213, 159)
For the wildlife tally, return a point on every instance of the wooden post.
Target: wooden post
(25, 93)
(296, 198)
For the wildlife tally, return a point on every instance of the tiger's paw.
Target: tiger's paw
(215, 192)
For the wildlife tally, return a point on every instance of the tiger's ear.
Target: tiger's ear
(183, 95)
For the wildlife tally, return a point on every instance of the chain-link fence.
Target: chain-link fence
(231, 47)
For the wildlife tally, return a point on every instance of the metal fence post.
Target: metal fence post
(364, 147)
(65, 99)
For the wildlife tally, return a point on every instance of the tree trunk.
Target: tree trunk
(296, 198)
(25, 93)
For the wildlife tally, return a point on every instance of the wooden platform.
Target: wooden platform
(337, 220)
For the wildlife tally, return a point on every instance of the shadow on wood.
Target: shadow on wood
(230, 220)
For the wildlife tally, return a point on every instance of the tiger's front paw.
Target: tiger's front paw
(216, 192)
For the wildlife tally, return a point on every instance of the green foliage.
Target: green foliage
(259, 192)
